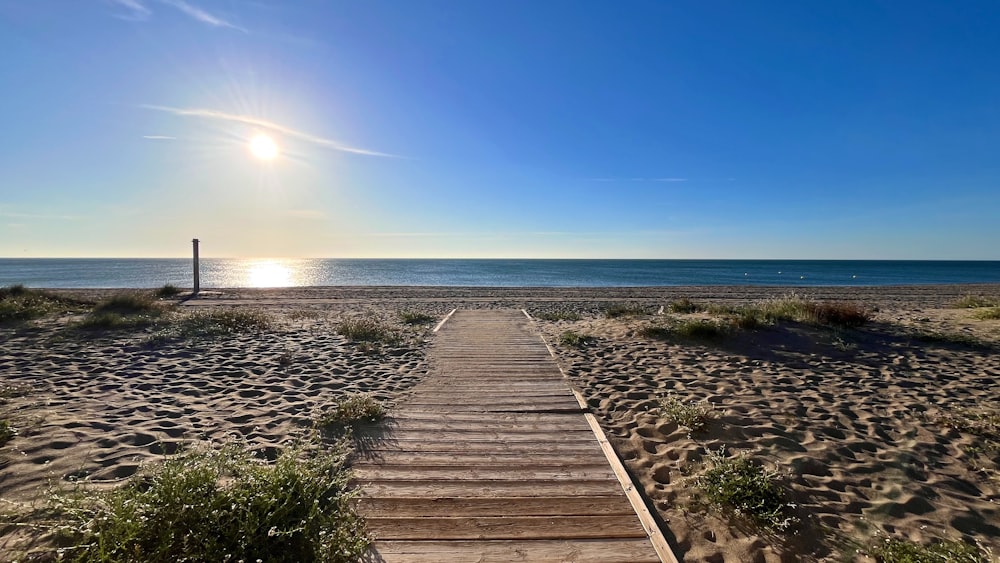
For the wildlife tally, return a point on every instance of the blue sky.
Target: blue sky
(466, 128)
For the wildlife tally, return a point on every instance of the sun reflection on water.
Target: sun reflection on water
(270, 273)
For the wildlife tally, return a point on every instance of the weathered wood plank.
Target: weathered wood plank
(481, 473)
(380, 507)
(509, 551)
(505, 528)
(491, 489)
(508, 459)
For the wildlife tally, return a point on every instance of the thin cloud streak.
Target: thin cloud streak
(202, 16)
(138, 11)
(270, 125)
(637, 179)
(159, 137)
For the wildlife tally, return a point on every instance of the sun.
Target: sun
(263, 147)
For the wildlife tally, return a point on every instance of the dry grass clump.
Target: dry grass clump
(797, 309)
(353, 409)
(691, 415)
(19, 303)
(738, 484)
(625, 310)
(218, 505)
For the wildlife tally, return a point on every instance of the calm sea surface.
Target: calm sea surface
(143, 273)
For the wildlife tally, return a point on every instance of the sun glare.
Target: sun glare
(263, 147)
(269, 274)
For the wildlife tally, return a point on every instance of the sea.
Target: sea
(306, 272)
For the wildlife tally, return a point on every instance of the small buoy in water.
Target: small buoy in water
(854, 277)
(802, 277)
(779, 273)
(745, 274)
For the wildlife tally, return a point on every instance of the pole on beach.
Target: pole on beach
(197, 281)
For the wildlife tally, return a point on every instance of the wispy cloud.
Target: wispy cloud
(664, 180)
(202, 16)
(159, 137)
(136, 10)
(269, 125)
(139, 10)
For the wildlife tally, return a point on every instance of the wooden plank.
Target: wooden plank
(480, 472)
(509, 551)
(508, 459)
(505, 528)
(557, 424)
(489, 489)
(481, 434)
(375, 507)
(580, 446)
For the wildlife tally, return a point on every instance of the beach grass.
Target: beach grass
(123, 311)
(415, 318)
(7, 432)
(895, 550)
(218, 505)
(977, 302)
(367, 330)
(619, 310)
(167, 291)
(575, 339)
(738, 484)
(227, 321)
(19, 303)
(987, 314)
(686, 329)
(684, 306)
(353, 409)
(690, 414)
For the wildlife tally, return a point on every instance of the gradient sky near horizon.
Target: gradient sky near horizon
(515, 128)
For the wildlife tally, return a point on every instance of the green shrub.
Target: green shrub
(367, 330)
(575, 339)
(740, 485)
(691, 415)
(894, 550)
(797, 309)
(414, 318)
(220, 505)
(624, 310)
(558, 316)
(168, 290)
(351, 410)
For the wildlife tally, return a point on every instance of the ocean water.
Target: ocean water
(220, 272)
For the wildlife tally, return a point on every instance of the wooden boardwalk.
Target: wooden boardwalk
(492, 459)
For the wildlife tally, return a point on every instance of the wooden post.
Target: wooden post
(197, 281)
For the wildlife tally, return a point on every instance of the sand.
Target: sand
(851, 420)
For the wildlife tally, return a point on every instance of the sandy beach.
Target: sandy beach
(889, 429)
